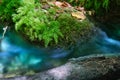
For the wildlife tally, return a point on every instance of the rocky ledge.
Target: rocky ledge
(94, 67)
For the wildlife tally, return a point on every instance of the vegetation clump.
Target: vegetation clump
(7, 8)
(97, 5)
(36, 23)
(73, 29)
(47, 26)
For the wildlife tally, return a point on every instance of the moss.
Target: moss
(30, 72)
(73, 29)
(19, 73)
(9, 75)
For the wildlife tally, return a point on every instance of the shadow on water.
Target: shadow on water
(17, 53)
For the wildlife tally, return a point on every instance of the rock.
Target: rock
(99, 67)
(1, 68)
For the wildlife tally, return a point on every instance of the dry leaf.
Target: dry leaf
(78, 15)
(57, 3)
(65, 4)
(61, 4)
(80, 8)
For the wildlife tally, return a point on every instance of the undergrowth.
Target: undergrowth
(73, 29)
(97, 5)
(7, 8)
(36, 23)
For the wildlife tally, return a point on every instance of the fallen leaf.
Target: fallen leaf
(80, 8)
(65, 4)
(61, 4)
(78, 15)
(57, 3)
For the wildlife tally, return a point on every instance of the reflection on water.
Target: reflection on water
(17, 54)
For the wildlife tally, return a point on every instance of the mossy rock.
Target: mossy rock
(74, 30)
(19, 73)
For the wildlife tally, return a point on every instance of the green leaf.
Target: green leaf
(56, 38)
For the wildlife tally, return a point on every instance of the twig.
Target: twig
(5, 29)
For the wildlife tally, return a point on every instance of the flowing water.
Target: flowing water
(17, 54)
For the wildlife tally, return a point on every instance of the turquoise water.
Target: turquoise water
(18, 54)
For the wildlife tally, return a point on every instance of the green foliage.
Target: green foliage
(36, 23)
(73, 29)
(7, 8)
(96, 5)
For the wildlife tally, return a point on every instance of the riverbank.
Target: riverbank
(93, 67)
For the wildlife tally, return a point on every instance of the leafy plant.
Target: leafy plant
(96, 5)
(73, 29)
(36, 23)
(7, 8)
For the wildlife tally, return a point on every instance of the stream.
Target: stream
(18, 54)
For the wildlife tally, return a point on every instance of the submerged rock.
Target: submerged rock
(94, 67)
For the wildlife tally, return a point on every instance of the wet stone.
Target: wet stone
(89, 68)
